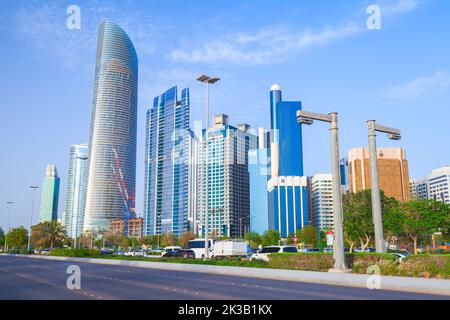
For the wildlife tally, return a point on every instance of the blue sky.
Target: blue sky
(319, 51)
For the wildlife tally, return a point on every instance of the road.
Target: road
(25, 278)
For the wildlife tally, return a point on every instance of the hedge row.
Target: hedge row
(78, 253)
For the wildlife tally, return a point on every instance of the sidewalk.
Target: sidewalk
(408, 284)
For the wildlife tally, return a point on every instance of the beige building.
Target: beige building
(392, 170)
(135, 227)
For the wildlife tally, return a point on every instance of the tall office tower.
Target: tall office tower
(345, 173)
(392, 171)
(167, 164)
(50, 195)
(76, 190)
(288, 194)
(113, 127)
(435, 186)
(259, 170)
(228, 179)
(322, 201)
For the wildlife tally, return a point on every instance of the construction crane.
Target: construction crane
(128, 199)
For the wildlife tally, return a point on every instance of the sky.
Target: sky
(321, 52)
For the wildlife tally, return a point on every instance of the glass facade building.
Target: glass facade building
(228, 179)
(50, 195)
(76, 190)
(113, 126)
(259, 169)
(287, 187)
(168, 145)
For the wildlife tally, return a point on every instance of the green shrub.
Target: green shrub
(80, 253)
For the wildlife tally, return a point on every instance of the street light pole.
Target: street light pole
(9, 203)
(33, 188)
(308, 118)
(207, 80)
(394, 134)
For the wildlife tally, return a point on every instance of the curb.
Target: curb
(393, 283)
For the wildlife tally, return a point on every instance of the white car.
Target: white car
(135, 253)
(400, 255)
(267, 251)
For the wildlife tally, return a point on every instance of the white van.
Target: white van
(198, 246)
(219, 249)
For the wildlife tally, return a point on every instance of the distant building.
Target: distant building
(50, 195)
(193, 166)
(76, 190)
(168, 145)
(436, 186)
(392, 171)
(259, 169)
(228, 179)
(135, 227)
(322, 201)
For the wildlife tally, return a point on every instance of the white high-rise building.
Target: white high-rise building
(322, 201)
(436, 186)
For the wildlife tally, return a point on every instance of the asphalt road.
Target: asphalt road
(25, 279)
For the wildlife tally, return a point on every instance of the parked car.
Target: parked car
(45, 251)
(105, 251)
(328, 250)
(400, 254)
(185, 254)
(120, 252)
(267, 251)
(169, 251)
(135, 253)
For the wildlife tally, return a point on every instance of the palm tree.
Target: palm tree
(55, 232)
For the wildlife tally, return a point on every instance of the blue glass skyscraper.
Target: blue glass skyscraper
(168, 140)
(287, 188)
(50, 195)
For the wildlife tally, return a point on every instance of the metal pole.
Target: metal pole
(375, 189)
(31, 218)
(339, 254)
(207, 175)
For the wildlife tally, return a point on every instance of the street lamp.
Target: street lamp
(33, 188)
(207, 80)
(9, 204)
(308, 118)
(393, 134)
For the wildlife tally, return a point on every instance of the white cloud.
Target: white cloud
(263, 47)
(421, 87)
(399, 6)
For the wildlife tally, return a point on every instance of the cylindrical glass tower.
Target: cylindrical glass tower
(113, 127)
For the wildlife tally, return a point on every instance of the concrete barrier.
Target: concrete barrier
(406, 284)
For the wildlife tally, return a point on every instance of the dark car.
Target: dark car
(185, 254)
(171, 253)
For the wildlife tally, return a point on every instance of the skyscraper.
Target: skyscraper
(392, 171)
(50, 195)
(76, 190)
(288, 188)
(228, 178)
(168, 140)
(113, 127)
